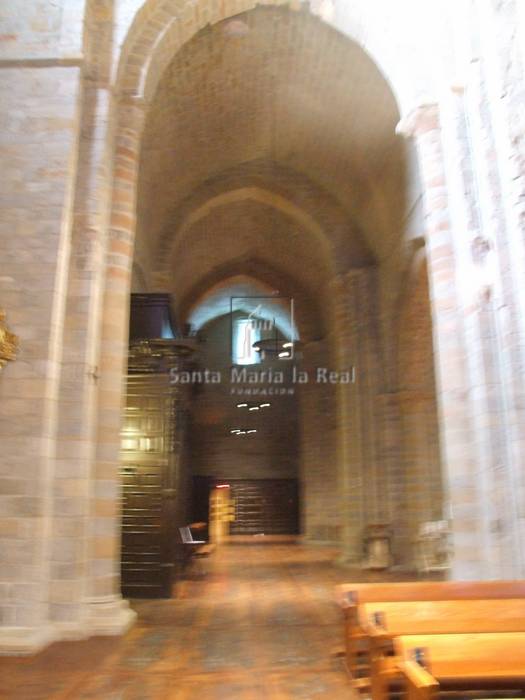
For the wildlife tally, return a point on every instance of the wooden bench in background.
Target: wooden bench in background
(461, 662)
(351, 596)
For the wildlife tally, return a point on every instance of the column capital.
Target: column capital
(131, 99)
(420, 120)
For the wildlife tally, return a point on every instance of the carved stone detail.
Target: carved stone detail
(8, 342)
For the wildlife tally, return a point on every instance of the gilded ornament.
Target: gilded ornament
(8, 342)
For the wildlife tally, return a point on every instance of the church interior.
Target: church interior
(262, 339)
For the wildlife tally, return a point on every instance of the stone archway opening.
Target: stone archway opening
(204, 139)
(301, 183)
(244, 423)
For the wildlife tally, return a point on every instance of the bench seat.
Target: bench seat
(360, 600)
(385, 623)
(461, 662)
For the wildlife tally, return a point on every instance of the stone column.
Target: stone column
(107, 609)
(346, 298)
(494, 97)
(420, 481)
(391, 469)
(364, 415)
(77, 408)
(321, 508)
(462, 478)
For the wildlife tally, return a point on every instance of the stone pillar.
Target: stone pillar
(462, 478)
(494, 97)
(321, 507)
(103, 546)
(365, 418)
(69, 562)
(346, 296)
(420, 481)
(391, 470)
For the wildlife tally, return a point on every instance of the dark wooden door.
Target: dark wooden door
(269, 506)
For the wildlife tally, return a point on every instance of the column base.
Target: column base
(107, 616)
(23, 641)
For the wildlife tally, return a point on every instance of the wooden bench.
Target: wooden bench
(351, 596)
(348, 595)
(384, 622)
(461, 662)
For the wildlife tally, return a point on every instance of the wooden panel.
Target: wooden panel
(268, 506)
(147, 561)
(150, 316)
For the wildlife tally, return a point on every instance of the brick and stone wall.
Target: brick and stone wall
(272, 452)
(79, 90)
(38, 147)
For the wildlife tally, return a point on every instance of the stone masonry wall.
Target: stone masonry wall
(462, 105)
(38, 143)
(272, 452)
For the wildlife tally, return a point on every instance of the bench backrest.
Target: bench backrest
(444, 616)
(468, 656)
(186, 535)
(356, 593)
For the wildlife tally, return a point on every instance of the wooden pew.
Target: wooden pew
(350, 596)
(461, 662)
(384, 622)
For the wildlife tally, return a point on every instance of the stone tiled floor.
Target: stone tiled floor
(260, 625)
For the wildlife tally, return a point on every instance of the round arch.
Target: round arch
(156, 35)
(160, 27)
(237, 294)
(264, 280)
